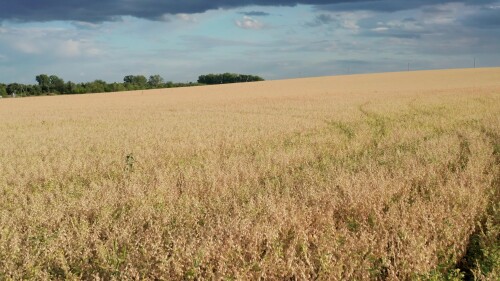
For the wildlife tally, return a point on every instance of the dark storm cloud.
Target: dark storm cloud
(255, 14)
(485, 18)
(322, 19)
(105, 10)
(393, 5)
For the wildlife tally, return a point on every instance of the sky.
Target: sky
(277, 39)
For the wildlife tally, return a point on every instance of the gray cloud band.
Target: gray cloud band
(109, 10)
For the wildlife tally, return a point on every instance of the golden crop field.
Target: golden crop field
(390, 176)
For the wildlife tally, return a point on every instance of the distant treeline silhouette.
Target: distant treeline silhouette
(225, 78)
(53, 85)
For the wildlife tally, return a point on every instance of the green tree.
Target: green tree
(115, 87)
(155, 81)
(3, 90)
(44, 82)
(224, 78)
(80, 89)
(15, 88)
(56, 84)
(135, 82)
(70, 88)
(128, 79)
(33, 90)
(98, 86)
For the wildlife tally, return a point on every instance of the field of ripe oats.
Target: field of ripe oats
(384, 176)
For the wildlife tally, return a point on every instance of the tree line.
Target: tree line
(54, 85)
(57, 86)
(225, 78)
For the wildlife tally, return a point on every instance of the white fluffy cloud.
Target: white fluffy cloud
(249, 23)
(53, 42)
(190, 18)
(76, 48)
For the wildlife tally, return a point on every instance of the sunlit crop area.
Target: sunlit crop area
(365, 177)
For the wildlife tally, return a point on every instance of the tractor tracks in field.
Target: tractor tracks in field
(377, 122)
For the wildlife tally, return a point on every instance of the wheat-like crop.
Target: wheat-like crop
(363, 177)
